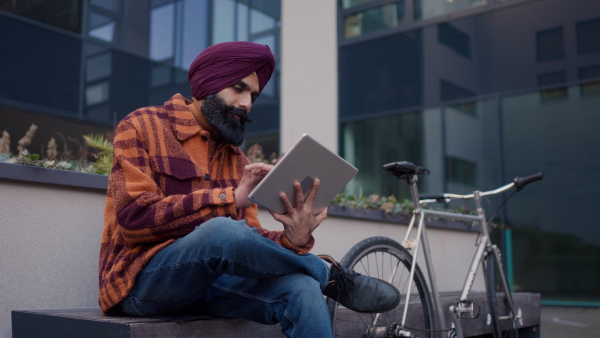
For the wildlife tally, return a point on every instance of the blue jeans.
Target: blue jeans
(225, 268)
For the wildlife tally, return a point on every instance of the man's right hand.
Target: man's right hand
(253, 174)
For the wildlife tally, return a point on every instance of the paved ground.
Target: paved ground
(561, 322)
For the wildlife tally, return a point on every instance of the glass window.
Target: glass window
(195, 26)
(369, 144)
(98, 67)
(97, 93)
(242, 21)
(591, 88)
(57, 13)
(550, 44)
(162, 32)
(425, 9)
(588, 36)
(260, 21)
(102, 27)
(111, 5)
(44, 67)
(161, 75)
(223, 21)
(553, 78)
(472, 145)
(552, 220)
(450, 91)
(461, 171)
(351, 3)
(455, 39)
(381, 75)
(374, 19)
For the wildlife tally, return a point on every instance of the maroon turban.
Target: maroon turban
(222, 65)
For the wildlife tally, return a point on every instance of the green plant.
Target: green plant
(104, 156)
(387, 204)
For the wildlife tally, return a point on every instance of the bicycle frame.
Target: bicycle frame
(484, 247)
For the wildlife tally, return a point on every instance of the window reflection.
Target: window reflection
(590, 88)
(102, 27)
(351, 3)
(425, 9)
(373, 19)
(98, 67)
(588, 36)
(57, 13)
(560, 139)
(242, 22)
(223, 21)
(550, 44)
(368, 144)
(260, 21)
(111, 5)
(97, 93)
(162, 32)
(195, 24)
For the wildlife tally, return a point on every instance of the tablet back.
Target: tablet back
(305, 162)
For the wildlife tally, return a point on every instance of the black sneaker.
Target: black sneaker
(357, 292)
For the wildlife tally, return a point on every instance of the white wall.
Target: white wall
(451, 251)
(50, 241)
(309, 72)
(49, 247)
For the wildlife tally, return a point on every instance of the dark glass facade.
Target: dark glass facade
(481, 92)
(76, 67)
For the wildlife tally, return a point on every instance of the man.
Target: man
(181, 239)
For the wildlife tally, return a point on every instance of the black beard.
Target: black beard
(228, 122)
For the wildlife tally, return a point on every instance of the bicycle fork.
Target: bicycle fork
(467, 309)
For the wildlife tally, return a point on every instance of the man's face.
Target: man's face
(227, 111)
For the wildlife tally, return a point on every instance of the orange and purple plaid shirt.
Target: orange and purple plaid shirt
(164, 183)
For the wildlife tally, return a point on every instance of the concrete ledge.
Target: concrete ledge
(91, 323)
(35, 174)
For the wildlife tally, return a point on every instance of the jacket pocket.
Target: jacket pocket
(174, 175)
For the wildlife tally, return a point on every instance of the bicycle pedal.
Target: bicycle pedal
(467, 310)
(409, 243)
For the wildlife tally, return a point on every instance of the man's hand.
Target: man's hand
(253, 174)
(299, 221)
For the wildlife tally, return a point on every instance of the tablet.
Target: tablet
(305, 162)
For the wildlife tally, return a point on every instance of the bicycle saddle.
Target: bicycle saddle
(403, 169)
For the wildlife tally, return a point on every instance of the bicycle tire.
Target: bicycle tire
(376, 257)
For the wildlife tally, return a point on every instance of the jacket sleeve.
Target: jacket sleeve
(143, 212)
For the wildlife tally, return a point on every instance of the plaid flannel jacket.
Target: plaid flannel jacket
(163, 184)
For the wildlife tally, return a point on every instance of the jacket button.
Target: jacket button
(204, 137)
(207, 177)
(222, 196)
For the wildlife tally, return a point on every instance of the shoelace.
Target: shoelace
(345, 282)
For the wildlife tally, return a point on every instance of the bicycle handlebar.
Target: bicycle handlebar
(521, 182)
(518, 183)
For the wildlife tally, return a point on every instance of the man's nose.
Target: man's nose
(246, 102)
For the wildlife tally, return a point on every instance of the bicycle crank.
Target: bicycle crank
(391, 331)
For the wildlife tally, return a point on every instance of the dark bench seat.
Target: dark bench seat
(91, 323)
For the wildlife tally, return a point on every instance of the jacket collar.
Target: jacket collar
(182, 120)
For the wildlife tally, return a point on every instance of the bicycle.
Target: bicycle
(420, 313)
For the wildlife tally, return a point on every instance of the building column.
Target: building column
(309, 72)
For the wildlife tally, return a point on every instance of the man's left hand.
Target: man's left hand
(299, 221)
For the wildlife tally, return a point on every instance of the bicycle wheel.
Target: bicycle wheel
(498, 302)
(378, 257)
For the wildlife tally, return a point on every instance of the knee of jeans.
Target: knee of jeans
(220, 229)
(134, 307)
(304, 287)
